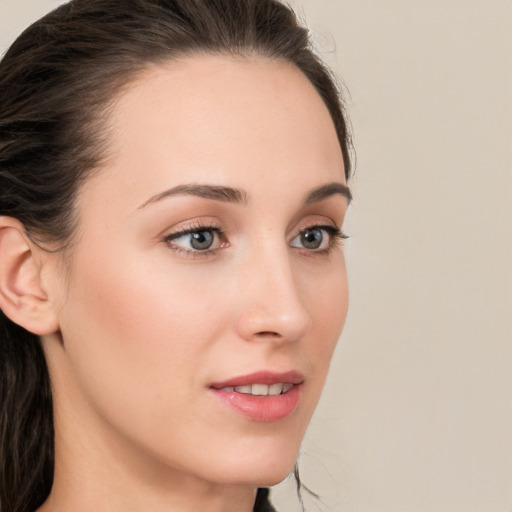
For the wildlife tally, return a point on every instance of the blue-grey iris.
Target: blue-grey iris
(201, 240)
(312, 238)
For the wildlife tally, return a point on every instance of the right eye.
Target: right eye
(196, 239)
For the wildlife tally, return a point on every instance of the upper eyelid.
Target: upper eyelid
(333, 231)
(185, 230)
(194, 228)
(316, 224)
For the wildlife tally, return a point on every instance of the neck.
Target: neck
(139, 500)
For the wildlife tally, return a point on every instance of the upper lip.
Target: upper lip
(262, 377)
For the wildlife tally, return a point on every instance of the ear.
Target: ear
(22, 296)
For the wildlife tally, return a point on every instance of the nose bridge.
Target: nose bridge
(271, 305)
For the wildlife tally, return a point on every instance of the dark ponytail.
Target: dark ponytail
(57, 84)
(26, 423)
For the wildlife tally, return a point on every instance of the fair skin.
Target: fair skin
(144, 321)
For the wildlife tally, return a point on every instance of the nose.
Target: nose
(270, 306)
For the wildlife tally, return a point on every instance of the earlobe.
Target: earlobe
(22, 296)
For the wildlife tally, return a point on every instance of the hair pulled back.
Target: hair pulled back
(57, 82)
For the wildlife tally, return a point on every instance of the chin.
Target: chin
(262, 456)
(261, 468)
(256, 477)
(273, 479)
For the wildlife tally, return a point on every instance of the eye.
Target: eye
(195, 239)
(317, 238)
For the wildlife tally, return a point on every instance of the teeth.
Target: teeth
(244, 389)
(261, 389)
(275, 389)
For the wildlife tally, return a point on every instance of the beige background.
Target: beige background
(417, 415)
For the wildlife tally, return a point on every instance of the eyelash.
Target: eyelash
(336, 237)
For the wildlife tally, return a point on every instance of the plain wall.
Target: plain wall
(417, 413)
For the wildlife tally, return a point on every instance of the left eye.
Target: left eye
(200, 240)
(316, 238)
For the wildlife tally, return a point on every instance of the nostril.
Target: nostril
(269, 334)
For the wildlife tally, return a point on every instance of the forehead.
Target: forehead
(224, 120)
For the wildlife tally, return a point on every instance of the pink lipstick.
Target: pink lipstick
(262, 396)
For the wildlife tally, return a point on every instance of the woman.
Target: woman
(172, 189)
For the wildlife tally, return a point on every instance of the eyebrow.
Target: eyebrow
(215, 192)
(328, 190)
(237, 196)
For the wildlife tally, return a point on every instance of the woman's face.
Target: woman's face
(207, 258)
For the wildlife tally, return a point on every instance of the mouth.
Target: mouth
(261, 396)
(260, 389)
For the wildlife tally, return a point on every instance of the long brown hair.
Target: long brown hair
(57, 82)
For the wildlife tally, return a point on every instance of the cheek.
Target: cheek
(134, 334)
(326, 297)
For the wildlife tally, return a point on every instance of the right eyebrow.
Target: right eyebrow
(215, 192)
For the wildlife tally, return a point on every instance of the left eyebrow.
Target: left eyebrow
(328, 190)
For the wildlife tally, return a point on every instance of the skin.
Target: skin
(144, 327)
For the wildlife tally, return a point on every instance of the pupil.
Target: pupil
(312, 238)
(201, 240)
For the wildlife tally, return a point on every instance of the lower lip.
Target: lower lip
(262, 408)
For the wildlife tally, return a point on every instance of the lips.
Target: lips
(262, 396)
